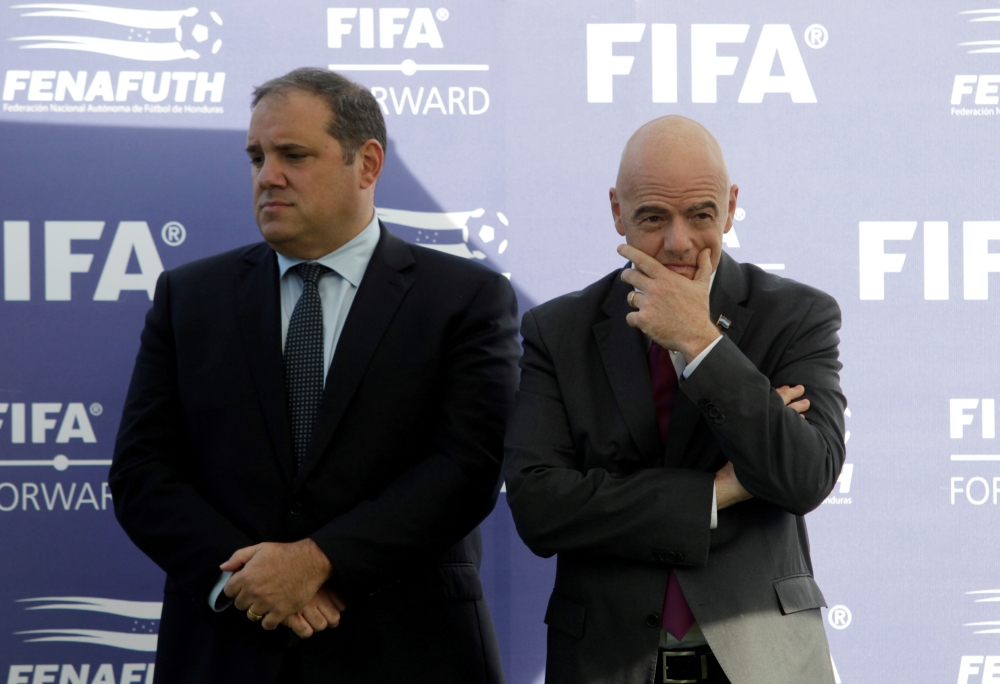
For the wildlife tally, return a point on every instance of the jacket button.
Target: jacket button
(702, 403)
(652, 620)
(675, 556)
(295, 508)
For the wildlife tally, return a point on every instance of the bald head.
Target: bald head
(672, 141)
(672, 197)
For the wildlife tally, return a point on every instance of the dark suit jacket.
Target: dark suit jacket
(403, 466)
(589, 478)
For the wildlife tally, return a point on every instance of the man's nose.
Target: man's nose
(677, 238)
(270, 174)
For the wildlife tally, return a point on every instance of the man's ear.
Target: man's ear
(734, 191)
(371, 158)
(616, 211)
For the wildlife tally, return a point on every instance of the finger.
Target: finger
(636, 299)
(642, 261)
(242, 602)
(271, 619)
(800, 406)
(704, 272)
(298, 624)
(790, 394)
(233, 585)
(337, 599)
(239, 558)
(633, 319)
(325, 605)
(316, 619)
(636, 278)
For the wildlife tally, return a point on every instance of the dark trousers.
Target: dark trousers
(291, 669)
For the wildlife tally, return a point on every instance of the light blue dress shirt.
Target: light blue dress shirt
(337, 289)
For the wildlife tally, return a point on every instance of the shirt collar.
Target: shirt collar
(349, 261)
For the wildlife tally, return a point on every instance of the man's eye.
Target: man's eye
(256, 161)
(296, 157)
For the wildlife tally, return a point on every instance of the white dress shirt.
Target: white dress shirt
(337, 289)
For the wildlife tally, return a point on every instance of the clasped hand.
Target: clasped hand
(285, 584)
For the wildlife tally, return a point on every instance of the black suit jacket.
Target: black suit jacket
(404, 463)
(589, 478)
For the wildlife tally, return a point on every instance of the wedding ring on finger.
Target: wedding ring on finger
(630, 297)
(253, 616)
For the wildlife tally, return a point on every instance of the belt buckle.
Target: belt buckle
(674, 654)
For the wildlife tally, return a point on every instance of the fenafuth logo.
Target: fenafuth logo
(134, 35)
(135, 630)
(973, 669)
(984, 88)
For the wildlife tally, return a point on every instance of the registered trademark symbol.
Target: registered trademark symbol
(173, 234)
(442, 14)
(839, 617)
(816, 36)
(740, 214)
(96, 409)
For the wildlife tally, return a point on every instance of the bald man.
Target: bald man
(675, 421)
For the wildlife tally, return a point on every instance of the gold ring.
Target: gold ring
(253, 616)
(631, 296)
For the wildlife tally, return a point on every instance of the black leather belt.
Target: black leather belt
(692, 666)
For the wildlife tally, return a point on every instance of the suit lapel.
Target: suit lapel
(381, 291)
(258, 310)
(623, 351)
(728, 292)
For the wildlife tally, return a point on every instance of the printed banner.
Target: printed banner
(863, 138)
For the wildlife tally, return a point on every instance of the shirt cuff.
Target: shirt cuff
(698, 359)
(715, 511)
(218, 601)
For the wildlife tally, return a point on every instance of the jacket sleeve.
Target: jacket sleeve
(777, 456)
(559, 505)
(155, 500)
(437, 502)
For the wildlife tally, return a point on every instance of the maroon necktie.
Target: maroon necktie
(677, 616)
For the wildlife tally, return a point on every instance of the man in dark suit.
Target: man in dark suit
(649, 450)
(315, 426)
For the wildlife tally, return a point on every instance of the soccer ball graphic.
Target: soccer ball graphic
(197, 30)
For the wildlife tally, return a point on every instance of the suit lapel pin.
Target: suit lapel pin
(723, 322)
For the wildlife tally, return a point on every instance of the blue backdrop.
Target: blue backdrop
(864, 141)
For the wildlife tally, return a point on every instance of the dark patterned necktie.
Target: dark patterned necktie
(304, 359)
(677, 616)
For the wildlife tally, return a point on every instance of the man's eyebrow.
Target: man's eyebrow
(286, 147)
(695, 208)
(649, 209)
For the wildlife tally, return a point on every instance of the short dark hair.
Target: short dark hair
(355, 114)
